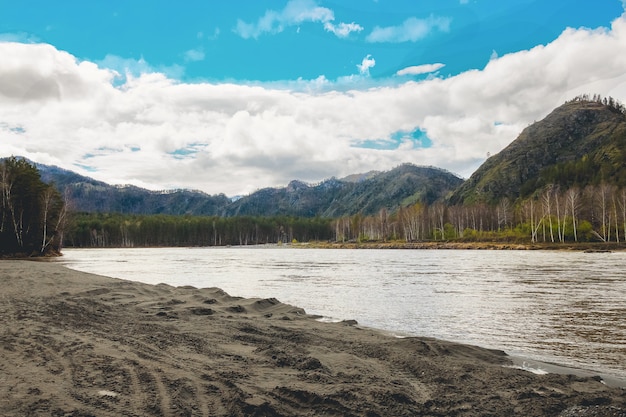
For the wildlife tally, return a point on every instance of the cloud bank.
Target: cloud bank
(159, 133)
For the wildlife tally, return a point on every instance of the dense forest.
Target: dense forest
(117, 230)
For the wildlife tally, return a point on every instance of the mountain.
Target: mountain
(88, 195)
(580, 143)
(365, 193)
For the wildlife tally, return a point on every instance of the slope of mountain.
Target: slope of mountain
(88, 195)
(366, 193)
(581, 142)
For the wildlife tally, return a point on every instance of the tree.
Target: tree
(547, 209)
(572, 196)
(32, 212)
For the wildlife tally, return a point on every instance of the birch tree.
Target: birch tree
(572, 196)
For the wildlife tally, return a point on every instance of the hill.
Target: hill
(582, 142)
(364, 193)
(88, 195)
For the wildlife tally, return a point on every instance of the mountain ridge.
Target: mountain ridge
(360, 193)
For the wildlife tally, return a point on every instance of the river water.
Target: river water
(563, 307)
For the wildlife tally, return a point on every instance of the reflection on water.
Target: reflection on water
(564, 307)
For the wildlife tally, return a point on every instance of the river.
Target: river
(554, 306)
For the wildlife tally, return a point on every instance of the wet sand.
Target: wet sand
(77, 344)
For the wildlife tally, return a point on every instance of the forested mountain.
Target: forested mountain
(365, 193)
(581, 143)
(88, 195)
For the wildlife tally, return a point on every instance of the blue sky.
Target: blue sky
(206, 40)
(234, 96)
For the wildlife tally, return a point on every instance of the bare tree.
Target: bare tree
(622, 205)
(572, 196)
(546, 199)
(502, 212)
(602, 198)
(531, 215)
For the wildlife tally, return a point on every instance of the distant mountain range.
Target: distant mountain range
(580, 143)
(366, 194)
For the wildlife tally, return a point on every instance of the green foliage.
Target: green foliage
(585, 231)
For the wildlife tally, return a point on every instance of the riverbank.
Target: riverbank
(73, 343)
(487, 245)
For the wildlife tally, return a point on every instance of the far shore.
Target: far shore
(487, 245)
(73, 343)
(591, 247)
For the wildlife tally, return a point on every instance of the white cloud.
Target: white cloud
(295, 13)
(411, 30)
(420, 69)
(365, 65)
(57, 110)
(194, 55)
(343, 30)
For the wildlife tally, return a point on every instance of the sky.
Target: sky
(230, 97)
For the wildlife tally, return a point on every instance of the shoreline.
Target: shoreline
(591, 247)
(517, 361)
(73, 342)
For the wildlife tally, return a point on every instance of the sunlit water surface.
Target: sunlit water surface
(562, 307)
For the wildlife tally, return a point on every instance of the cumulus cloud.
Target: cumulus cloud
(365, 65)
(420, 69)
(295, 13)
(411, 30)
(157, 132)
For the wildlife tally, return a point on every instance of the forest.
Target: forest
(117, 230)
(551, 215)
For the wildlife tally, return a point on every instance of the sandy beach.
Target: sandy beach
(77, 344)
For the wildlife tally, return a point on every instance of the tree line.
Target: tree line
(551, 215)
(117, 230)
(32, 213)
